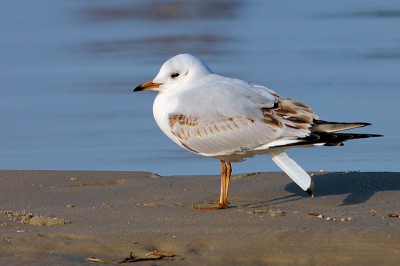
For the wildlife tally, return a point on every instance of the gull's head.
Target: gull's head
(177, 72)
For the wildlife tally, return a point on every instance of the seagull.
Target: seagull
(232, 120)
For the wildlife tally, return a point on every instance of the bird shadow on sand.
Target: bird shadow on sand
(359, 187)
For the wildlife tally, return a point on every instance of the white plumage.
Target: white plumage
(231, 120)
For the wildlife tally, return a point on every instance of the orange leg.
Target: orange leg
(226, 170)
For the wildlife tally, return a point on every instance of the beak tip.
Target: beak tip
(147, 86)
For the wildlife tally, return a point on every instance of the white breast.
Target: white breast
(164, 104)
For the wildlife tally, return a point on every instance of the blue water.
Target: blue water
(68, 68)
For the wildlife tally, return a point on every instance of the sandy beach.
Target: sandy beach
(65, 217)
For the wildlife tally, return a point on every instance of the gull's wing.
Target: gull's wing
(229, 116)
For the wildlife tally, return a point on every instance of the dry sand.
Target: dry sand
(270, 221)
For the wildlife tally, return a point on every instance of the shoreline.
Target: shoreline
(269, 220)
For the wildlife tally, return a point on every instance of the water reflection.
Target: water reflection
(200, 44)
(384, 53)
(165, 10)
(359, 14)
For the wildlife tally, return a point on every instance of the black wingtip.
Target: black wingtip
(376, 135)
(310, 190)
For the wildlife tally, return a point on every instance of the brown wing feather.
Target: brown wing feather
(286, 119)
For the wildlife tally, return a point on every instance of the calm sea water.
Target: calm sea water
(68, 69)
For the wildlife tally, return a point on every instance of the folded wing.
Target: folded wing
(238, 121)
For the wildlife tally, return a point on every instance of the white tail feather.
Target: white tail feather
(291, 168)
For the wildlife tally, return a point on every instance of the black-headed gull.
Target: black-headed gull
(231, 120)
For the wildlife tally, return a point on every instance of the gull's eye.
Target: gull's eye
(175, 75)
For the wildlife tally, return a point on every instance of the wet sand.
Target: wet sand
(270, 221)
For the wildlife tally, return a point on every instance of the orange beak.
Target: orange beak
(147, 86)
